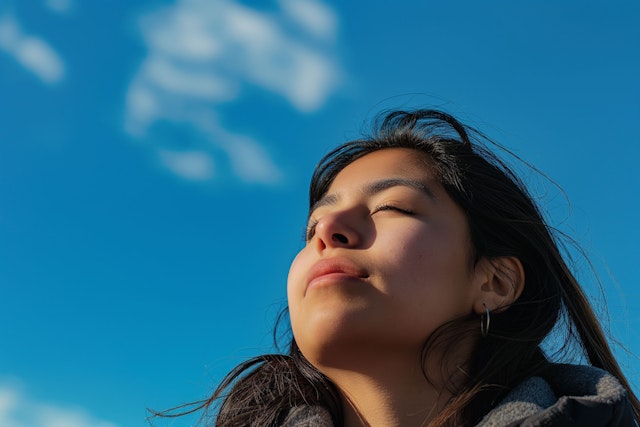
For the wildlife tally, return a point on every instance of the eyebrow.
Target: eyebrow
(377, 187)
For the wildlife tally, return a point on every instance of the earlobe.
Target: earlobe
(501, 281)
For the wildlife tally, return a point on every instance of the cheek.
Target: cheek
(409, 251)
(294, 269)
(425, 256)
(295, 279)
(298, 312)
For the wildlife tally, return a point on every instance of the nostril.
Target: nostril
(340, 238)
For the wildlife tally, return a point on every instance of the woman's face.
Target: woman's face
(387, 261)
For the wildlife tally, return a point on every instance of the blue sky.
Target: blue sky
(155, 157)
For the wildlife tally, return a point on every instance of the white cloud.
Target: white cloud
(203, 53)
(192, 165)
(316, 17)
(16, 410)
(31, 52)
(59, 6)
(183, 81)
(249, 160)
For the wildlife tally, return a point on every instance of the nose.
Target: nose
(335, 230)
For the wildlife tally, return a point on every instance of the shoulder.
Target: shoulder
(567, 395)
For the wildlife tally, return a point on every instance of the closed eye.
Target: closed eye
(310, 231)
(387, 207)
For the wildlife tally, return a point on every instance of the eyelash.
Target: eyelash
(310, 231)
(311, 228)
(392, 208)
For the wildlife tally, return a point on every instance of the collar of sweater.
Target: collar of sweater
(570, 395)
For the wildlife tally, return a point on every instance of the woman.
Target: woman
(427, 284)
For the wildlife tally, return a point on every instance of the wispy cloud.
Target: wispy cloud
(33, 53)
(193, 165)
(59, 6)
(202, 54)
(316, 17)
(17, 410)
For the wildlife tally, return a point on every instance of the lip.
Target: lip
(334, 269)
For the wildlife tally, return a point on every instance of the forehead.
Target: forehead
(386, 163)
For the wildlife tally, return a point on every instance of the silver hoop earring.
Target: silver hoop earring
(485, 321)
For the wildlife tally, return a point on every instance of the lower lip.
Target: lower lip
(332, 279)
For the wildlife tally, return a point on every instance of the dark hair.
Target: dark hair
(504, 221)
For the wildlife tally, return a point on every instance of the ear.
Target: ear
(498, 283)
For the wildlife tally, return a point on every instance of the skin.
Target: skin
(387, 261)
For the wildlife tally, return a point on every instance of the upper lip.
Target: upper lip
(335, 265)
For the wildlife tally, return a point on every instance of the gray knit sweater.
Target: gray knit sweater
(569, 395)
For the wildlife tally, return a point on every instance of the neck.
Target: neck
(387, 394)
